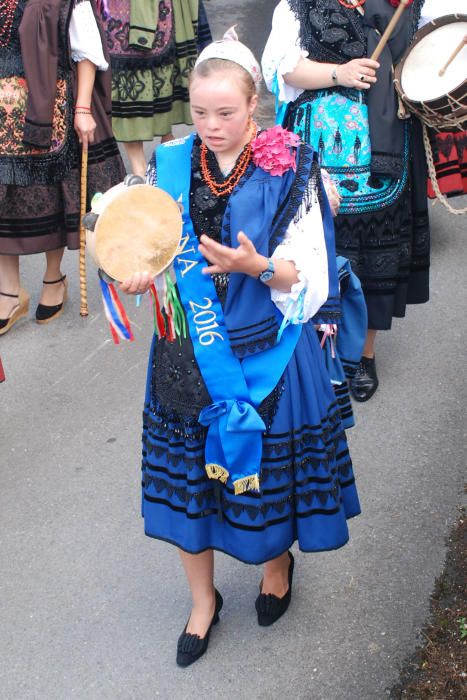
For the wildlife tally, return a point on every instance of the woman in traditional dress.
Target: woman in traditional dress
(449, 148)
(344, 104)
(50, 100)
(243, 447)
(153, 45)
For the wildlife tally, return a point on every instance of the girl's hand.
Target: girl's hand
(224, 259)
(138, 283)
(85, 127)
(359, 73)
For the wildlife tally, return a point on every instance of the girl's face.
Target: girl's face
(221, 111)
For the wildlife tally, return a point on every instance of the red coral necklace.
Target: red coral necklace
(228, 185)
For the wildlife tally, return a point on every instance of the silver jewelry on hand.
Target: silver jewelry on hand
(362, 78)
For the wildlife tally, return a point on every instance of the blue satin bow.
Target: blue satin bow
(241, 428)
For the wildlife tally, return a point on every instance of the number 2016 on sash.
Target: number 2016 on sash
(205, 322)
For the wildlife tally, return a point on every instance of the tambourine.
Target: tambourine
(133, 227)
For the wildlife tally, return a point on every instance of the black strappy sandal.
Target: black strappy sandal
(18, 311)
(45, 314)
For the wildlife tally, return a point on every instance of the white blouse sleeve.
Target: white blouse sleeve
(85, 40)
(305, 246)
(432, 9)
(282, 52)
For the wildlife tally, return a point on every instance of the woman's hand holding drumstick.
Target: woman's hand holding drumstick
(359, 73)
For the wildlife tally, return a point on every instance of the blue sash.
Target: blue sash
(235, 429)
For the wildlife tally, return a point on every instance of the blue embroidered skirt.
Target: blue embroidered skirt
(307, 483)
(382, 226)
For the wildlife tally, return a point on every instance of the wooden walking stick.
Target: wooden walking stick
(389, 29)
(83, 310)
(452, 56)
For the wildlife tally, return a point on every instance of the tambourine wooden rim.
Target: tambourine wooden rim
(138, 231)
(435, 109)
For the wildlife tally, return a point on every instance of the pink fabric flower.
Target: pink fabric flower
(272, 150)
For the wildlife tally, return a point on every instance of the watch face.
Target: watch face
(266, 275)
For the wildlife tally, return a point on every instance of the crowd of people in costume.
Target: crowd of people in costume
(289, 234)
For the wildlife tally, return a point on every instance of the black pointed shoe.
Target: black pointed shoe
(269, 607)
(191, 647)
(365, 382)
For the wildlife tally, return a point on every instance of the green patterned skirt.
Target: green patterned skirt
(150, 77)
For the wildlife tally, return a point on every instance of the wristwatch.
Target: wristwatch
(267, 274)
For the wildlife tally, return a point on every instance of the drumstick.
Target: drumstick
(389, 30)
(83, 310)
(452, 56)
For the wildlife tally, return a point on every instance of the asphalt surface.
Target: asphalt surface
(91, 609)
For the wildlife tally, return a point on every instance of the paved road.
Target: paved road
(91, 609)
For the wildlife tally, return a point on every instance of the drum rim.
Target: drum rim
(419, 35)
(179, 222)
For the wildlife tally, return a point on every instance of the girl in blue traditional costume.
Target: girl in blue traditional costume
(345, 106)
(243, 447)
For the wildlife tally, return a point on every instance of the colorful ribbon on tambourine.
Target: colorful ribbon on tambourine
(168, 314)
(172, 323)
(175, 312)
(159, 322)
(115, 313)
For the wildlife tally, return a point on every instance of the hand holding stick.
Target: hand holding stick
(452, 56)
(389, 29)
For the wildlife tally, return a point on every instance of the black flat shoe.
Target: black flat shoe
(191, 647)
(269, 607)
(365, 382)
(44, 313)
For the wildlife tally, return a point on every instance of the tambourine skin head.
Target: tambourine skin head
(138, 231)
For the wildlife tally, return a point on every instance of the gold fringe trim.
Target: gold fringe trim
(248, 483)
(215, 471)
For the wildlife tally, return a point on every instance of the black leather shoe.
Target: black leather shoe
(191, 647)
(269, 607)
(365, 382)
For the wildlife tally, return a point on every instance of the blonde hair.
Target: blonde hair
(220, 65)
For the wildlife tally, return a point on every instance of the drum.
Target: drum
(133, 227)
(440, 101)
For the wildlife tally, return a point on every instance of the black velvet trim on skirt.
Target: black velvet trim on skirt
(40, 217)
